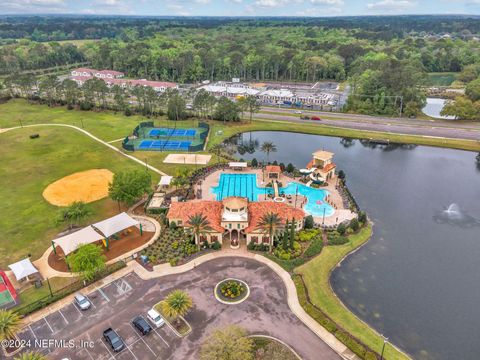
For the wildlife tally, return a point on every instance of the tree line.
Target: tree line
(94, 94)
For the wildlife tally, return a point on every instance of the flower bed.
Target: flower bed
(231, 291)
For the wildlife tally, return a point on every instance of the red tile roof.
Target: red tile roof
(256, 210)
(329, 167)
(273, 169)
(310, 164)
(211, 209)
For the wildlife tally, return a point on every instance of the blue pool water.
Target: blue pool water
(245, 185)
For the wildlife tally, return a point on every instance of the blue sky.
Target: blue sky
(241, 7)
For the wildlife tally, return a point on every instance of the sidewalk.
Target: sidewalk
(167, 269)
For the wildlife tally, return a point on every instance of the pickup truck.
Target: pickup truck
(114, 340)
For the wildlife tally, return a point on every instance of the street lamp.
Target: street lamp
(385, 340)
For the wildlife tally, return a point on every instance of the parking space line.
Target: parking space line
(109, 352)
(141, 338)
(48, 324)
(88, 352)
(63, 316)
(161, 337)
(33, 333)
(103, 294)
(91, 302)
(76, 308)
(131, 352)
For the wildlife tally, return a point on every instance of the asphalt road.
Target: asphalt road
(264, 312)
(437, 128)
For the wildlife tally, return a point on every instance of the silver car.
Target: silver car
(82, 302)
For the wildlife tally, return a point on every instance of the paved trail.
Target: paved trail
(94, 138)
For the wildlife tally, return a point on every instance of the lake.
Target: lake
(433, 108)
(418, 279)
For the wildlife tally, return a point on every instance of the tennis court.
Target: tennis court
(172, 132)
(164, 145)
(7, 293)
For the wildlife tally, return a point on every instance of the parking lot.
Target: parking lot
(55, 334)
(70, 333)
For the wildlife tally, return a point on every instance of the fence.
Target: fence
(65, 291)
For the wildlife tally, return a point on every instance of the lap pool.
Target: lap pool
(245, 185)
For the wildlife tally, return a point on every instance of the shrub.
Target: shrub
(341, 175)
(342, 229)
(217, 246)
(128, 112)
(173, 225)
(337, 240)
(290, 168)
(362, 217)
(307, 235)
(85, 106)
(69, 107)
(354, 225)
(315, 247)
(254, 162)
(309, 222)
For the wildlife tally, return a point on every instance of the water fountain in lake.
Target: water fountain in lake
(454, 215)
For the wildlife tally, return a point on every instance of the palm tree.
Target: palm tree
(268, 147)
(30, 356)
(200, 225)
(74, 214)
(176, 304)
(9, 324)
(270, 223)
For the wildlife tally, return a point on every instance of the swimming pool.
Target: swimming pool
(245, 185)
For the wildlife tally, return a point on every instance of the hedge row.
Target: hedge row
(319, 316)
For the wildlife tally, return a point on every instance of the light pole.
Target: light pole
(323, 221)
(146, 164)
(385, 340)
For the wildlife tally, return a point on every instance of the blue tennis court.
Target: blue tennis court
(164, 145)
(172, 132)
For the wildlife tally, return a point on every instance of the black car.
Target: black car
(114, 340)
(142, 325)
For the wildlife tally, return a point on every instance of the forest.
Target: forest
(385, 59)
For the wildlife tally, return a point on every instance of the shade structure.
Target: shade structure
(238, 164)
(115, 224)
(71, 242)
(165, 180)
(23, 268)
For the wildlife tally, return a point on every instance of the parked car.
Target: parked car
(142, 325)
(114, 340)
(316, 118)
(155, 318)
(82, 302)
(305, 117)
(298, 111)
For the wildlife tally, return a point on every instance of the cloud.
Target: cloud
(391, 5)
(32, 6)
(328, 2)
(178, 9)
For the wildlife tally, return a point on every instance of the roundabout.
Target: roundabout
(231, 291)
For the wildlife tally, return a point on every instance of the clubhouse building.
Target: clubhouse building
(234, 219)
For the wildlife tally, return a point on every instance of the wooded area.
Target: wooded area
(384, 58)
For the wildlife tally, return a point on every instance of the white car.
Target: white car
(155, 318)
(82, 302)
(298, 112)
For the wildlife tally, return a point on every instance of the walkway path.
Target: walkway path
(94, 138)
(167, 269)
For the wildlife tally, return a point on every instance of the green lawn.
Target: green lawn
(316, 274)
(27, 167)
(33, 294)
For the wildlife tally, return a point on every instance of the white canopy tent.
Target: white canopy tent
(165, 180)
(23, 269)
(115, 224)
(71, 242)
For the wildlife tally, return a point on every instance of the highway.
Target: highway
(452, 129)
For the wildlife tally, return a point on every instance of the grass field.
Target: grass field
(316, 274)
(27, 167)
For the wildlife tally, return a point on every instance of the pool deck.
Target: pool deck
(334, 198)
